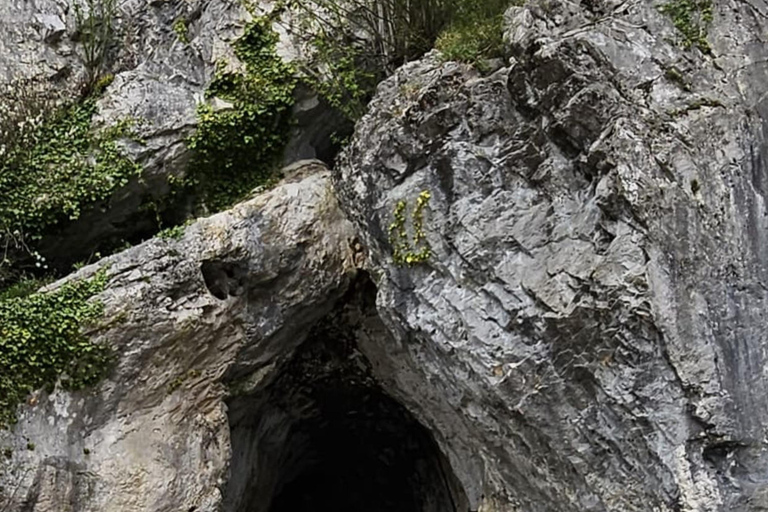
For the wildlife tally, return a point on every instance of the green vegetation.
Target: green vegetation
(53, 169)
(237, 148)
(175, 232)
(359, 42)
(96, 35)
(472, 43)
(476, 33)
(344, 84)
(53, 164)
(181, 27)
(41, 342)
(403, 251)
(691, 18)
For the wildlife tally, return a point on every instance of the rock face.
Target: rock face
(588, 333)
(179, 314)
(582, 328)
(162, 59)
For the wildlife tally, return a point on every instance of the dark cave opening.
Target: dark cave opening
(324, 435)
(366, 455)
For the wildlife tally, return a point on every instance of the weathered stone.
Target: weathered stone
(588, 333)
(155, 435)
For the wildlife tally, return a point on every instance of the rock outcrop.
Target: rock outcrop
(237, 293)
(588, 332)
(162, 57)
(546, 292)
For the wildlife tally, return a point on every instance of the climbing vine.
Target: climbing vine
(41, 342)
(403, 251)
(237, 147)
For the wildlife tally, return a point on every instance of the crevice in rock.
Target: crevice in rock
(324, 434)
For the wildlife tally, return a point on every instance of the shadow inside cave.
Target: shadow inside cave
(324, 435)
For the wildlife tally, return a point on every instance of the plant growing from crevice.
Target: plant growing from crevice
(175, 232)
(181, 28)
(96, 34)
(42, 343)
(691, 18)
(237, 147)
(405, 251)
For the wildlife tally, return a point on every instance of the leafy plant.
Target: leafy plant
(41, 342)
(405, 252)
(237, 148)
(96, 34)
(52, 169)
(691, 18)
(175, 232)
(181, 27)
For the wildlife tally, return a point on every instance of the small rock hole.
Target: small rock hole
(223, 279)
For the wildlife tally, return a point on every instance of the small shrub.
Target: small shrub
(96, 34)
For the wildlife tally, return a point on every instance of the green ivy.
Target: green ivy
(403, 251)
(57, 171)
(236, 149)
(691, 18)
(41, 342)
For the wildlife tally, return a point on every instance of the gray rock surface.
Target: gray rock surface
(179, 313)
(159, 81)
(589, 332)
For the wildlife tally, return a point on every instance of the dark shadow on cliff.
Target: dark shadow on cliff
(323, 435)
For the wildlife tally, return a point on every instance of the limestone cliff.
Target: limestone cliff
(538, 288)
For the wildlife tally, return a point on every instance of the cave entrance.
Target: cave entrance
(323, 435)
